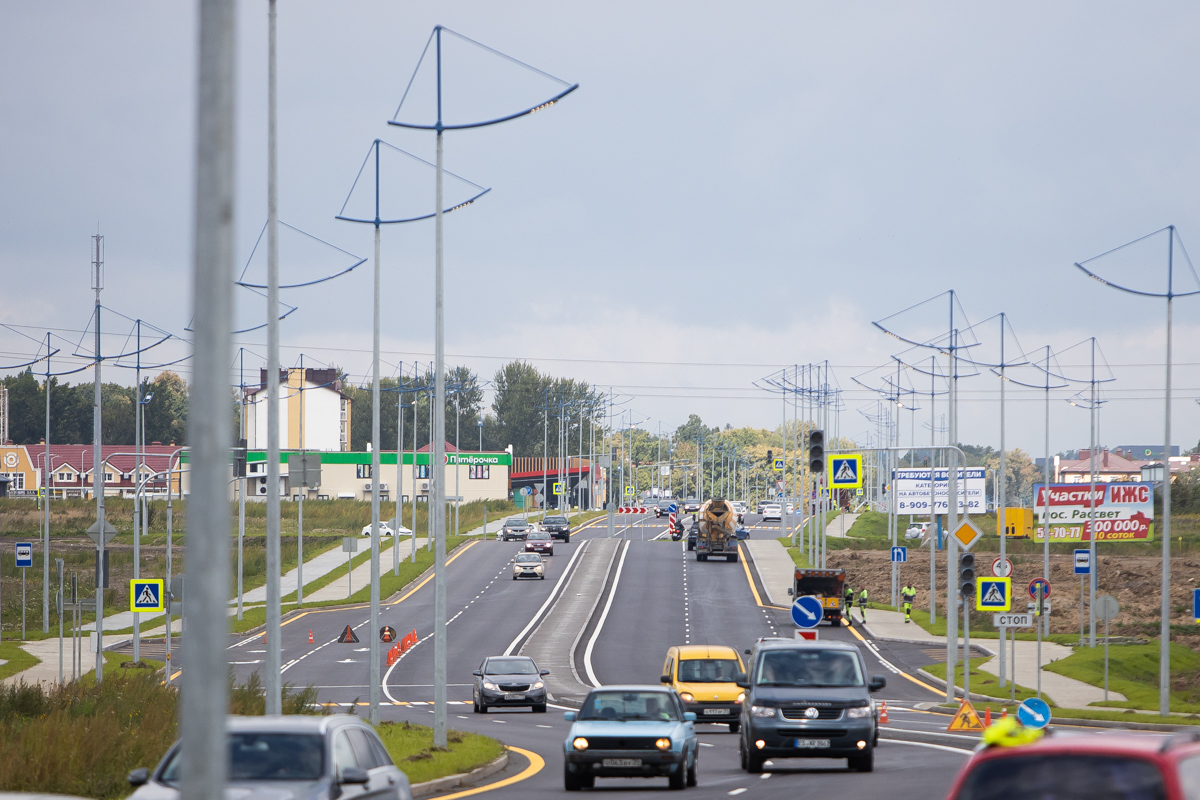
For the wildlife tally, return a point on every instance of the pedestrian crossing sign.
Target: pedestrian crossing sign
(993, 594)
(145, 595)
(845, 472)
(558, 488)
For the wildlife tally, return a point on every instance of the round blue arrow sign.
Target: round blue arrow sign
(1034, 713)
(807, 612)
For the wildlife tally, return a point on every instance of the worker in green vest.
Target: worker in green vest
(909, 595)
(862, 603)
(849, 603)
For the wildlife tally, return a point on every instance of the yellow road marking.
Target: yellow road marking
(750, 580)
(902, 673)
(536, 763)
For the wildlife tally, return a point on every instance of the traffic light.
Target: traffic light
(816, 452)
(770, 457)
(239, 459)
(966, 574)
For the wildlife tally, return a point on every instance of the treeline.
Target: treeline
(525, 403)
(71, 410)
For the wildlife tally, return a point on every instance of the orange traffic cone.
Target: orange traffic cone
(987, 717)
(264, 637)
(1003, 713)
(310, 636)
(883, 715)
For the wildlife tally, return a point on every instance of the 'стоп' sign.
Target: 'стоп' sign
(1124, 511)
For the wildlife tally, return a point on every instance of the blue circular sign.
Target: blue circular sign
(807, 612)
(525, 490)
(1034, 713)
(673, 508)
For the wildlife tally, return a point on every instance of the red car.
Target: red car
(540, 543)
(1113, 765)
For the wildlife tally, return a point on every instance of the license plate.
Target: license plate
(621, 762)
(812, 744)
(519, 696)
(715, 711)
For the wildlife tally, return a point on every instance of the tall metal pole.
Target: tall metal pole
(952, 519)
(204, 703)
(375, 448)
(933, 517)
(137, 472)
(437, 450)
(274, 660)
(1092, 505)
(98, 463)
(399, 474)
(1164, 654)
(1001, 496)
(47, 470)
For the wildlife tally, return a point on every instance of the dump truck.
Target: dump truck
(718, 531)
(828, 586)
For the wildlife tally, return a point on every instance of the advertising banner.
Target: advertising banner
(1124, 512)
(911, 487)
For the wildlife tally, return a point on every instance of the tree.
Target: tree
(520, 391)
(165, 416)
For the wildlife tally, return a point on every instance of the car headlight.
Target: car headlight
(580, 743)
(537, 685)
(740, 698)
(663, 744)
(762, 712)
(687, 697)
(491, 687)
(858, 713)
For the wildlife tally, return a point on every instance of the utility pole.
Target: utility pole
(97, 458)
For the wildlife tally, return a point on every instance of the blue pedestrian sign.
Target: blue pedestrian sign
(1083, 562)
(145, 595)
(1034, 713)
(993, 594)
(899, 555)
(24, 555)
(807, 612)
(845, 472)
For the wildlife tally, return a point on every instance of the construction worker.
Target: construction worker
(849, 603)
(909, 595)
(862, 603)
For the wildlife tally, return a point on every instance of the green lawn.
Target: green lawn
(16, 660)
(800, 557)
(981, 682)
(1133, 671)
(411, 747)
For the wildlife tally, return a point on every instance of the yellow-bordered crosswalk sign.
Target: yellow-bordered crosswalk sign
(145, 595)
(993, 594)
(845, 471)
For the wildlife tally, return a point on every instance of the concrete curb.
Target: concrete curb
(983, 698)
(454, 781)
(935, 642)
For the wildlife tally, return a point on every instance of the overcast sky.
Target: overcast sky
(742, 185)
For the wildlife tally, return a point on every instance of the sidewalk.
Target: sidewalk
(340, 589)
(1065, 692)
(838, 528)
(47, 651)
(775, 568)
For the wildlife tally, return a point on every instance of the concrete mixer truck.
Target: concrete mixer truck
(718, 531)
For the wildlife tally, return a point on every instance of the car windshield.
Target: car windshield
(808, 667)
(708, 670)
(621, 706)
(510, 666)
(538, 536)
(1064, 777)
(529, 558)
(266, 757)
(555, 520)
(517, 523)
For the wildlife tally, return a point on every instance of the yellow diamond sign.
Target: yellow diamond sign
(966, 534)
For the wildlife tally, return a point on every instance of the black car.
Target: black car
(663, 509)
(807, 700)
(693, 533)
(515, 529)
(506, 681)
(691, 506)
(557, 527)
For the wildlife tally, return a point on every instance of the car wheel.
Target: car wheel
(691, 773)
(541, 577)
(751, 762)
(732, 558)
(571, 782)
(514, 577)
(701, 556)
(677, 779)
(475, 706)
(539, 708)
(864, 762)
(567, 540)
(734, 727)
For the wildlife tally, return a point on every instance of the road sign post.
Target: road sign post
(1083, 567)
(899, 555)
(24, 562)
(807, 612)
(1107, 609)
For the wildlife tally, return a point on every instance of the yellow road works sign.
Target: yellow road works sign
(966, 719)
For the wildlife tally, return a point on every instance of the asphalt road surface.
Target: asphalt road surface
(660, 597)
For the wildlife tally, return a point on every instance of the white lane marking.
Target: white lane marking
(871, 645)
(926, 744)
(508, 651)
(499, 722)
(706, 744)
(766, 775)
(587, 653)
(737, 791)
(939, 731)
(542, 726)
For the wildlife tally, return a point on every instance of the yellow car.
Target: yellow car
(704, 676)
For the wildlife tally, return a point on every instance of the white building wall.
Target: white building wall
(322, 419)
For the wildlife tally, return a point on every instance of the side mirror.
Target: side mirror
(354, 775)
(139, 777)
(746, 651)
(569, 716)
(478, 673)
(664, 679)
(544, 672)
(790, 592)
(742, 681)
(689, 716)
(877, 682)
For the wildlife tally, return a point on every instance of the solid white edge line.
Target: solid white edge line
(926, 744)
(562, 581)
(587, 653)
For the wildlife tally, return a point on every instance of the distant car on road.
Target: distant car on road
(558, 527)
(386, 529)
(529, 565)
(693, 534)
(691, 506)
(506, 681)
(663, 508)
(540, 543)
(515, 529)
(772, 511)
(916, 531)
(739, 508)
(294, 756)
(742, 532)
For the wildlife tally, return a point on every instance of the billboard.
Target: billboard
(1124, 512)
(912, 490)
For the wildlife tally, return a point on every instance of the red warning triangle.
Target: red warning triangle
(966, 719)
(348, 636)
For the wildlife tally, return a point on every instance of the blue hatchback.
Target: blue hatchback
(630, 732)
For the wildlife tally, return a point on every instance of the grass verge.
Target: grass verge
(799, 557)
(15, 659)
(1133, 671)
(981, 682)
(411, 747)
